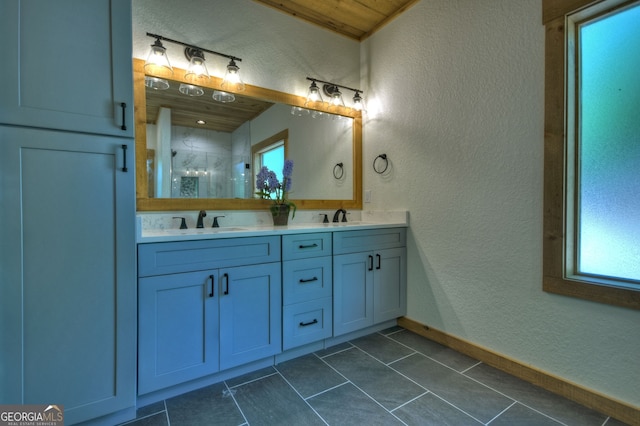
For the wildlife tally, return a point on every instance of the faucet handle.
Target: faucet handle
(215, 222)
(344, 216)
(326, 218)
(183, 223)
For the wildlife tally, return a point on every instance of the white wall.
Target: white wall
(456, 89)
(277, 52)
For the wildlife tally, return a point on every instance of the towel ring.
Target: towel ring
(383, 157)
(338, 171)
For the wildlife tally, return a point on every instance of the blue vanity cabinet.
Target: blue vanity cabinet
(250, 313)
(205, 306)
(307, 288)
(369, 278)
(178, 328)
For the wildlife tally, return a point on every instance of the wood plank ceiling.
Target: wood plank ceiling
(187, 110)
(356, 19)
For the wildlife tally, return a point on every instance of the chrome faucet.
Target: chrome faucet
(336, 216)
(200, 216)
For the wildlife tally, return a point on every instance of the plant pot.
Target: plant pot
(280, 214)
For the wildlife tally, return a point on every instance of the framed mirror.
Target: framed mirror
(327, 170)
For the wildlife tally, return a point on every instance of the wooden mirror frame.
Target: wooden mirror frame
(144, 203)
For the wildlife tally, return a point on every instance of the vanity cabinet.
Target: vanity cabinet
(206, 306)
(307, 288)
(67, 65)
(369, 278)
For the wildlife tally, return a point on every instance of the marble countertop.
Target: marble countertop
(148, 230)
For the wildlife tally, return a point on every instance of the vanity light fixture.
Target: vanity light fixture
(313, 96)
(190, 90)
(158, 63)
(197, 70)
(358, 102)
(332, 90)
(157, 60)
(224, 97)
(156, 83)
(232, 81)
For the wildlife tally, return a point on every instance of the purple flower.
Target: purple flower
(287, 171)
(272, 181)
(261, 178)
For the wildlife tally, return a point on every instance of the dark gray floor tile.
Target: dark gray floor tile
(440, 353)
(382, 348)
(158, 419)
(471, 397)
(309, 375)
(333, 349)
(380, 382)
(255, 375)
(210, 405)
(150, 409)
(271, 401)
(535, 397)
(347, 405)
(429, 410)
(391, 330)
(520, 415)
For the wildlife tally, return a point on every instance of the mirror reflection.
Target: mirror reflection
(173, 159)
(200, 147)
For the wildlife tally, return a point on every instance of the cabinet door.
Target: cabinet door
(178, 329)
(250, 313)
(67, 65)
(389, 284)
(352, 292)
(67, 268)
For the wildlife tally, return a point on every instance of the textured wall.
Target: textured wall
(277, 52)
(456, 101)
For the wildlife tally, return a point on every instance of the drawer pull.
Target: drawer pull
(303, 281)
(370, 263)
(302, 246)
(212, 285)
(304, 324)
(378, 265)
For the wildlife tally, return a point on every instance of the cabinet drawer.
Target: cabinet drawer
(371, 239)
(306, 279)
(186, 256)
(306, 245)
(306, 322)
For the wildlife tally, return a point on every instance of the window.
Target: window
(592, 151)
(271, 153)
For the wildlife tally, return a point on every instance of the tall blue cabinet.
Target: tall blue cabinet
(67, 208)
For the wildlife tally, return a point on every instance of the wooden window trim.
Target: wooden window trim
(554, 232)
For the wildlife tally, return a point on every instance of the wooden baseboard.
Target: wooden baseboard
(587, 397)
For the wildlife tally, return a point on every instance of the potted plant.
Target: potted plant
(270, 188)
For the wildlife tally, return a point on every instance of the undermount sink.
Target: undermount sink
(354, 223)
(195, 231)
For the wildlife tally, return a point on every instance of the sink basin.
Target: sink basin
(354, 223)
(197, 231)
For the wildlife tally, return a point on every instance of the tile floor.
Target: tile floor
(386, 378)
